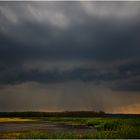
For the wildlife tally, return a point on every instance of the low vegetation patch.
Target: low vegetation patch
(105, 128)
(15, 120)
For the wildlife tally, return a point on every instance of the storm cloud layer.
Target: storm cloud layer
(70, 56)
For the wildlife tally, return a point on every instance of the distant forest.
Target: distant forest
(53, 114)
(65, 114)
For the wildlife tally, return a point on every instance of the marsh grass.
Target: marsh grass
(48, 135)
(107, 128)
(124, 133)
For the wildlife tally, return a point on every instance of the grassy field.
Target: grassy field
(120, 128)
(15, 120)
(106, 127)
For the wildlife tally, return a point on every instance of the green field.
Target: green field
(119, 128)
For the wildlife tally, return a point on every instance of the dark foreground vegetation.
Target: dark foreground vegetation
(105, 126)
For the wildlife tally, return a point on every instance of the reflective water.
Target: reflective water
(50, 126)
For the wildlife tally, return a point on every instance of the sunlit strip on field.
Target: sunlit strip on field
(14, 120)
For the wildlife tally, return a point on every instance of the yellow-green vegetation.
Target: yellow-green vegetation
(11, 135)
(15, 120)
(119, 128)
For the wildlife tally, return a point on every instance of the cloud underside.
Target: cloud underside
(61, 43)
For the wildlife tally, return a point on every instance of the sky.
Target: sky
(67, 56)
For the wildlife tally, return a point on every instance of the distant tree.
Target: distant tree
(101, 112)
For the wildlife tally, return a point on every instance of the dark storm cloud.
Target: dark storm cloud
(130, 77)
(74, 31)
(119, 79)
(17, 76)
(70, 56)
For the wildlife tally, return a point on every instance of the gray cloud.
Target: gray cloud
(58, 42)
